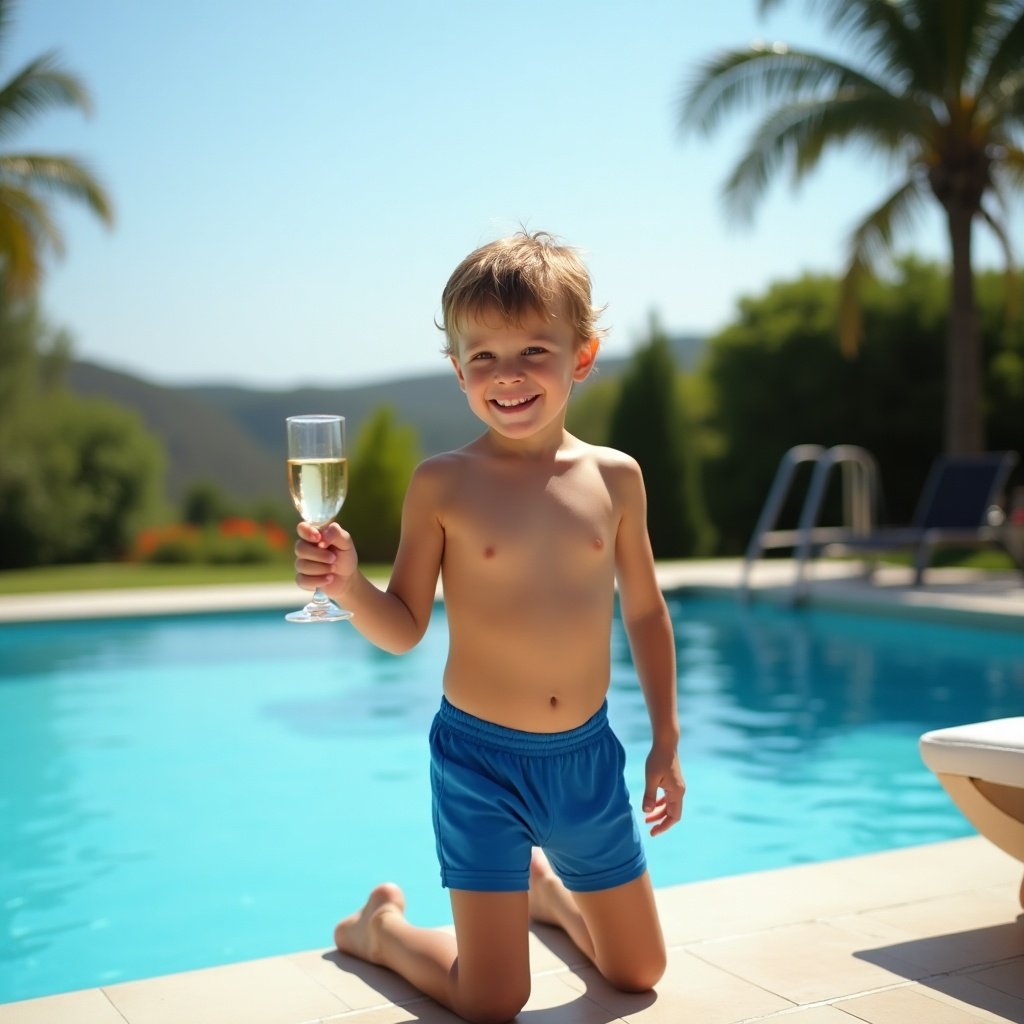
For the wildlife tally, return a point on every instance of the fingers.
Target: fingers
(321, 555)
(662, 812)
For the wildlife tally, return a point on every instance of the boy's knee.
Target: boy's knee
(638, 977)
(498, 1007)
(498, 1011)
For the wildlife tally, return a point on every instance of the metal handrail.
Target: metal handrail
(860, 500)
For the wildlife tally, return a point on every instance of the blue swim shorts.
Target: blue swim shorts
(498, 792)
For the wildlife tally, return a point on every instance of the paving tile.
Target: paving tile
(426, 1011)
(552, 950)
(273, 991)
(945, 934)
(357, 984)
(552, 1001)
(913, 1004)
(831, 1014)
(964, 991)
(805, 963)
(88, 1007)
(1006, 977)
(691, 990)
(748, 903)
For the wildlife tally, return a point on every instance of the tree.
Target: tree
(938, 89)
(648, 423)
(383, 459)
(76, 475)
(27, 227)
(888, 401)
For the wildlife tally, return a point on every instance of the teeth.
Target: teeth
(511, 403)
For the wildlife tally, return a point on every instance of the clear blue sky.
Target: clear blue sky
(295, 181)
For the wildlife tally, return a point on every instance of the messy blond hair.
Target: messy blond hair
(512, 276)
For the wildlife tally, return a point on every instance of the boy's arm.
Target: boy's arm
(652, 642)
(394, 619)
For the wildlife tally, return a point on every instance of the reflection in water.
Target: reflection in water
(800, 729)
(192, 790)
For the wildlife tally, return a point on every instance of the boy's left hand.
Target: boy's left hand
(663, 772)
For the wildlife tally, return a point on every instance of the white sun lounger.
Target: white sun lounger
(981, 766)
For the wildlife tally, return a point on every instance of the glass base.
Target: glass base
(320, 609)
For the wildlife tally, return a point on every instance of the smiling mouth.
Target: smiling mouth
(513, 403)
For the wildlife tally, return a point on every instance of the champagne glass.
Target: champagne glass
(318, 482)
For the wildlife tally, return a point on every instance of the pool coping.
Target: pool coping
(977, 597)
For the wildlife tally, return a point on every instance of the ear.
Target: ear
(586, 356)
(458, 373)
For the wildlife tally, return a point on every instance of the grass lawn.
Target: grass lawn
(103, 576)
(107, 576)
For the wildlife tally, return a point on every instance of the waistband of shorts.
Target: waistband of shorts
(517, 741)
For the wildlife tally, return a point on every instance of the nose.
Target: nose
(508, 371)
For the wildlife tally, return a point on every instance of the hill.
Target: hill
(234, 436)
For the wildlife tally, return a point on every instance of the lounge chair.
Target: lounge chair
(981, 766)
(953, 509)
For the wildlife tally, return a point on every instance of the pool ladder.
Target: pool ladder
(859, 479)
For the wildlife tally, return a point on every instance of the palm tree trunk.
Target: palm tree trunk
(964, 430)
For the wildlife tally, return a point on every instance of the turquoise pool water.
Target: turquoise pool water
(184, 791)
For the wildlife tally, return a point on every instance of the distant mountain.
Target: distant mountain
(234, 436)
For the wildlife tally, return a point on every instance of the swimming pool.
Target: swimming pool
(183, 791)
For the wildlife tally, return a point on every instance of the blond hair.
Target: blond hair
(512, 276)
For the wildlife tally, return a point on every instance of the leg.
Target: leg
(616, 929)
(488, 982)
(551, 903)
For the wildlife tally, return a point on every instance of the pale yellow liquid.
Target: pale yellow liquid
(318, 488)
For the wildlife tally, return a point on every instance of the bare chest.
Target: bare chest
(510, 525)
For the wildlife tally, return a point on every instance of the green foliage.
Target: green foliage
(649, 423)
(934, 87)
(384, 457)
(591, 409)
(205, 502)
(76, 475)
(28, 181)
(777, 378)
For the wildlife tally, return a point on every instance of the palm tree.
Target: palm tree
(938, 87)
(27, 180)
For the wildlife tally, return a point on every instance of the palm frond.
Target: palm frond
(1012, 290)
(760, 74)
(61, 175)
(1008, 171)
(5, 20)
(26, 228)
(39, 86)
(1005, 54)
(799, 134)
(870, 240)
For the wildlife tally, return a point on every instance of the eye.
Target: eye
(534, 350)
(480, 355)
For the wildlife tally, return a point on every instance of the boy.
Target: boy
(529, 529)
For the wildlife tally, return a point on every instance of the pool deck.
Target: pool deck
(931, 934)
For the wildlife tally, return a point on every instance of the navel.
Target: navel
(553, 702)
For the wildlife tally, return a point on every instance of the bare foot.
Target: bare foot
(358, 934)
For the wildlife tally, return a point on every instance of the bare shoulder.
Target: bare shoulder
(435, 477)
(618, 469)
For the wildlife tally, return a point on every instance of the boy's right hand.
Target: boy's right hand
(324, 557)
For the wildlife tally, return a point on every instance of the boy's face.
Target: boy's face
(517, 377)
